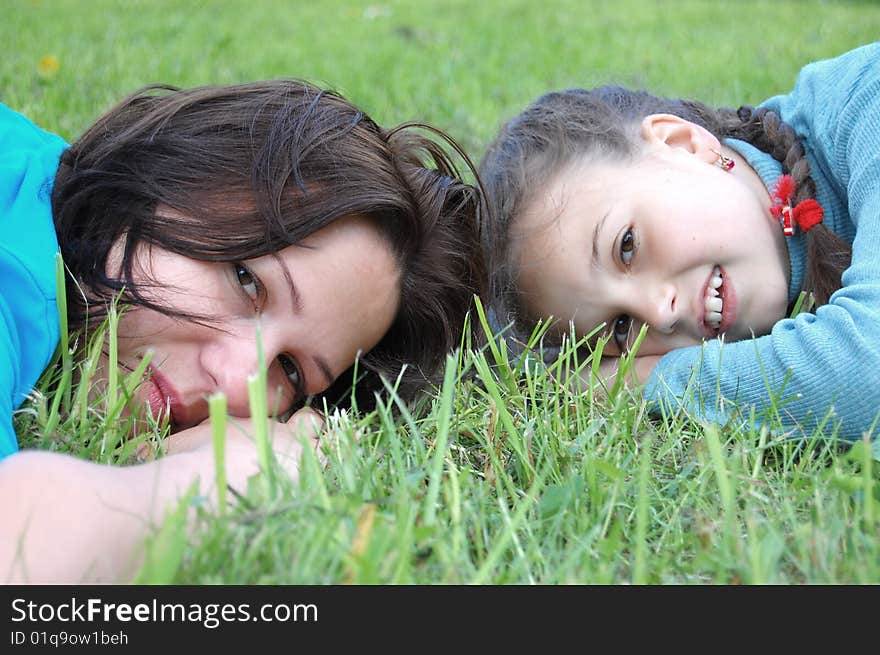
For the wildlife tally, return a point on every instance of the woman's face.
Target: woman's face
(318, 304)
(670, 241)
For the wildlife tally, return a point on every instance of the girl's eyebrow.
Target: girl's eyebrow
(596, 233)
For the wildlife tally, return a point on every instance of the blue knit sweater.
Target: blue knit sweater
(822, 366)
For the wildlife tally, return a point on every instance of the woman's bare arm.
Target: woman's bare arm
(67, 520)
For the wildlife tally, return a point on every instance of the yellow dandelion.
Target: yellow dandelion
(48, 66)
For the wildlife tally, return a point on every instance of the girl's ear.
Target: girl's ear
(668, 130)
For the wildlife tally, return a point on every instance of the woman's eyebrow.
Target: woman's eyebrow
(321, 363)
(295, 298)
(296, 301)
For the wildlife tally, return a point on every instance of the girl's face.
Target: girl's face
(671, 241)
(318, 304)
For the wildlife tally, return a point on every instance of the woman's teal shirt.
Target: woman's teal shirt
(29, 327)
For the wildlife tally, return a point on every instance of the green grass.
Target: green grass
(460, 64)
(502, 475)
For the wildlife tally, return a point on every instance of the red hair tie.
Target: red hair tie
(806, 213)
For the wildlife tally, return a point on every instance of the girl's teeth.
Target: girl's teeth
(714, 302)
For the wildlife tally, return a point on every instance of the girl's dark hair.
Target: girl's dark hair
(253, 168)
(560, 128)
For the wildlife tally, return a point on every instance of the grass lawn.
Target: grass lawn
(502, 475)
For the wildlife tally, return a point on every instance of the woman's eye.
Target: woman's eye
(621, 330)
(249, 282)
(291, 370)
(627, 247)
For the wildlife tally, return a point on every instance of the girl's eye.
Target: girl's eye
(621, 330)
(249, 282)
(627, 246)
(291, 370)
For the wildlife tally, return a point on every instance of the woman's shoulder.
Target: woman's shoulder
(22, 139)
(18, 132)
(28, 162)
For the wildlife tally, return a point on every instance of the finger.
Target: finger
(186, 440)
(306, 422)
(307, 426)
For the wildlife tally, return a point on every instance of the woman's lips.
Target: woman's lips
(163, 398)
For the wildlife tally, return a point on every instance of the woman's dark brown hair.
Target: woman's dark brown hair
(601, 124)
(252, 168)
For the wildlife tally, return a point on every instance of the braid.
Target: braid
(827, 254)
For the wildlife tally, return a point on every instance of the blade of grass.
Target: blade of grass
(868, 477)
(258, 403)
(111, 435)
(217, 412)
(640, 567)
(495, 394)
(66, 359)
(441, 441)
(500, 543)
(260, 422)
(500, 361)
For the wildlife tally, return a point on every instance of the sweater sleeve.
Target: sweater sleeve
(815, 367)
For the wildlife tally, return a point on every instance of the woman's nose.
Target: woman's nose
(230, 369)
(232, 362)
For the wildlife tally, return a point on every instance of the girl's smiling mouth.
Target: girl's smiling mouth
(719, 303)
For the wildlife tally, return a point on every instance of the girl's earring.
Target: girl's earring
(724, 162)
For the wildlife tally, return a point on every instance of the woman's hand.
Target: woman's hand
(304, 427)
(75, 521)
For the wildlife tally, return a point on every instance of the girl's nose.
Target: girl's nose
(661, 312)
